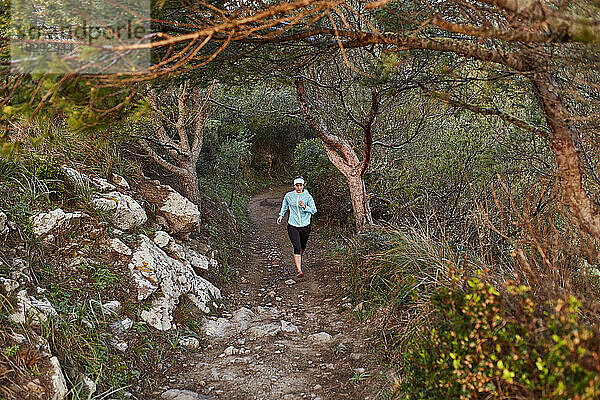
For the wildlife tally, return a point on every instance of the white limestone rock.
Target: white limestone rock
(289, 327)
(242, 318)
(103, 185)
(120, 327)
(190, 343)
(57, 379)
(172, 248)
(259, 331)
(162, 239)
(182, 215)
(120, 247)
(81, 180)
(152, 269)
(159, 316)
(127, 323)
(3, 224)
(55, 222)
(174, 212)
(322, 338)
(120, 182)
(30, 308)
(196, 259)
(127, 213)
(121, 346)
(76, 178)
(111, 307)
(218, 329)
(183, 253)
(264, 313)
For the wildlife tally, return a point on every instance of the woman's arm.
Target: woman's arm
(284, 206)
(310, 208)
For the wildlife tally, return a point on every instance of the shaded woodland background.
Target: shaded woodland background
(451, 147)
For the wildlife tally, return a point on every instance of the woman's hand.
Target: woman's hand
(301, 204)
(279, 219)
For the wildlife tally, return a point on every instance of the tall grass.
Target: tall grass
(417, 290)
(392, 274)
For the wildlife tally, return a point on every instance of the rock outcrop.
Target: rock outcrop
(174, 212)
(57, 380)
(257, 323)
(126, 212)
(96, 254)
(31, 310)
(3, 224)
(184, 253)
(152, 269)
(54, 222)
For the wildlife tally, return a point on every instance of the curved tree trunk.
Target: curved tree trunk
(179, 141)
(360, 202)
(344, 158)
(563, 146)
(189, 184)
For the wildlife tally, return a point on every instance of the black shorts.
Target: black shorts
(299, 237)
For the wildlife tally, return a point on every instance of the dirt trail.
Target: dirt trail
(259, 354)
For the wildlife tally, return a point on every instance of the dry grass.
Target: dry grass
(393, 273)
(21, 369)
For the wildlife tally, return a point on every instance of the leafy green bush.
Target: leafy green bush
(324, 182)
(486, 344)
(47, 170)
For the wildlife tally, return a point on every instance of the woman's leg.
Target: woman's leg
(294, 235)
(304, 232)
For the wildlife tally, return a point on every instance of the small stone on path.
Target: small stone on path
(176, 394)
(290, 282)
(320, 338)
(289, 327)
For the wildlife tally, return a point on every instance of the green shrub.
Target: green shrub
(485, 344)
(47, 170)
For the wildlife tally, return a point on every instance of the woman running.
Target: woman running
(302, 207)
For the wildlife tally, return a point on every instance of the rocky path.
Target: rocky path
(280, 337)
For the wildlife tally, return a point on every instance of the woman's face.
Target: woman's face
(298, 187)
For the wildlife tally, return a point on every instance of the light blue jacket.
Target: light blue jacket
(299, 216)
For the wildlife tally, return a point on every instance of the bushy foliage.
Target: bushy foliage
(454, 330)
(324, 182)
(273, 144)
(391, 274)
(233, 155)
(487, 344)
(47, 170)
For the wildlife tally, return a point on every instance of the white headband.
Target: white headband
(298, 180)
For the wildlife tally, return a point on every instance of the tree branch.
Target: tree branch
(367, 126)
(320, 127)
(156, 157)
(170, 146)
(487, 111)
(180, 124)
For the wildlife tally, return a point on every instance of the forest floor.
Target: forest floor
(328, 356)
